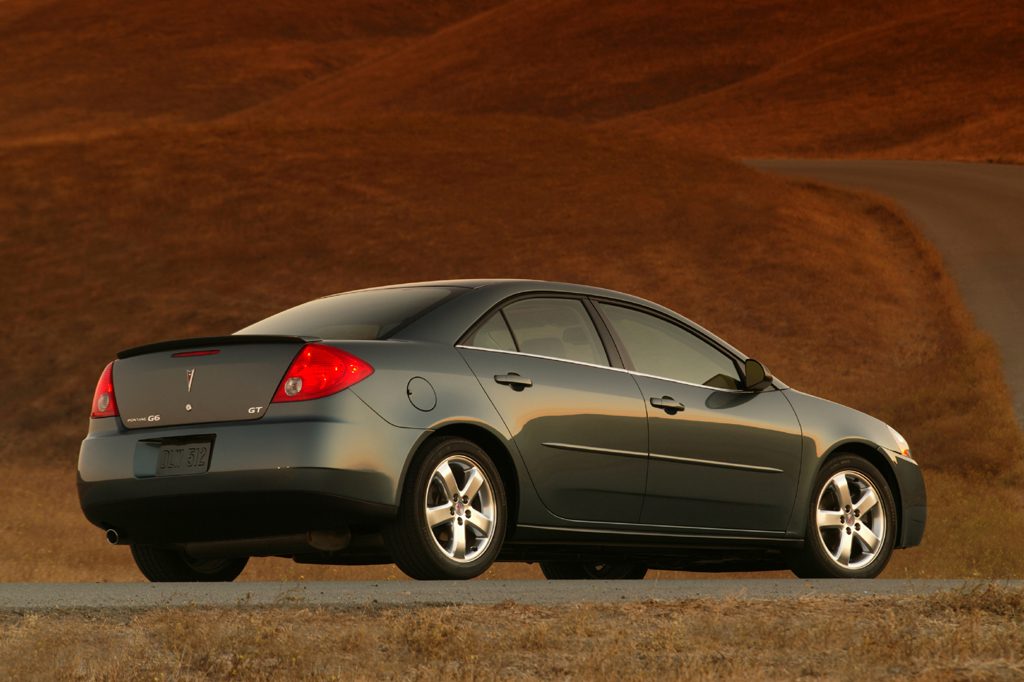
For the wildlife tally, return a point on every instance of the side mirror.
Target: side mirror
(756, 376)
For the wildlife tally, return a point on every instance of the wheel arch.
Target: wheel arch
(874, 455)
(492, 443)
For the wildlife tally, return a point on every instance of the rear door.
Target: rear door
(720, 457)
(578, 422)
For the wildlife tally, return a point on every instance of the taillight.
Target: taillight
(103, 403)
(320, 370)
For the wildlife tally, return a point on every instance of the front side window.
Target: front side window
(555, 328)
(662, 349)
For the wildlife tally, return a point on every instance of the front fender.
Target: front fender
(830, 427)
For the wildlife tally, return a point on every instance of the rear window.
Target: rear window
(359, 315)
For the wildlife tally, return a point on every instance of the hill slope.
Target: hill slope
(585, 60)
(745, 79)
(86, 64)
(944, 84)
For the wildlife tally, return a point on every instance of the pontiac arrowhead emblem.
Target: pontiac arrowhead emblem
(188, 375)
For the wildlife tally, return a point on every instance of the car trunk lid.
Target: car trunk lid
(195, 381)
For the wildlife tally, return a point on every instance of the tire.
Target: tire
(839, 541)
(576, 570)
(431, 550)
(161, 565)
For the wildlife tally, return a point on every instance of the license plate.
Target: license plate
(176, 459)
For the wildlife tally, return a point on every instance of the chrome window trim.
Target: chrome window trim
(614, 369)
(689, 383)
(542, 357)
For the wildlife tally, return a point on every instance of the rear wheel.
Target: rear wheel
(851, 526)
(451, 519)
(162, 565)
(576, 570)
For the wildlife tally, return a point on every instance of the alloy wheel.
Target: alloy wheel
(851, 520)
(460, 508)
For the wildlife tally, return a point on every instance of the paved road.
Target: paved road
(130, 596)
(974, 213)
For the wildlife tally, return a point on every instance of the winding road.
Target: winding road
(974, 214)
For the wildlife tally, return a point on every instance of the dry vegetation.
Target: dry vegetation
(949, 636)
(170, 169)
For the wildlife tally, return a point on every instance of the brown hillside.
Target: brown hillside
(87, 64)
(587, 60)
(945, 84)
(758, 78)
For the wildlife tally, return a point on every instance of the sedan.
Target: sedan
(443, 426)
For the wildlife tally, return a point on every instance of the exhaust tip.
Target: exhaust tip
(112, 536)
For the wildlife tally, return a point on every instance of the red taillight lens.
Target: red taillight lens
(103, 403)
(320, 370)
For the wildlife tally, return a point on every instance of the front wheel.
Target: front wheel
(161, 565)
(451, 519)
(851, 527)
(576, 570)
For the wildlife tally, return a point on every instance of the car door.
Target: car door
(720, 457)
(578, 422)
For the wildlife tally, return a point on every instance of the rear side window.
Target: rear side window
(662, 349)
(359, 315)
(555, 328)
(493, 334)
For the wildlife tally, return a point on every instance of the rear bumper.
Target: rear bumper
(220, 506)
(286, 473)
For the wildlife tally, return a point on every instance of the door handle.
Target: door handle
(512, 379)
(668, 403)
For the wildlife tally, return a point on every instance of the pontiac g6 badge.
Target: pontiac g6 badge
(189, 373)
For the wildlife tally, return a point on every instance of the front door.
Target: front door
(720, 457)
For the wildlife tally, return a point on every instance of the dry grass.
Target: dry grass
(952, 636)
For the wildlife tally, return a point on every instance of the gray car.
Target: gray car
(445, 425)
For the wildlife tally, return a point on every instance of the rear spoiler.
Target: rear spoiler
(211, 342)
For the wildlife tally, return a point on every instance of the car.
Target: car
(443, 426)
